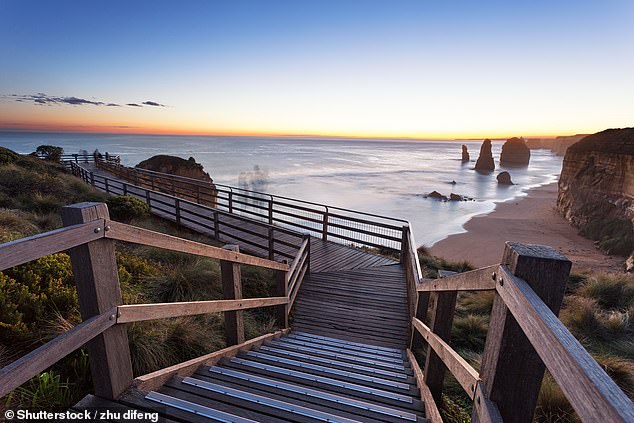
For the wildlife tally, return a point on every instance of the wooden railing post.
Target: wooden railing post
(511, 370)
(324, 226)
(271, 243)
(177, 211)
(216, 226)
(232, 290)
(443, 305)
(281, 290)
(95, 269)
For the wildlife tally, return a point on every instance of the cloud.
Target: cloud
(42, 99)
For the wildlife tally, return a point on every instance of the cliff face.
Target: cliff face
(176, 166)
(596, 188)
(557, 145)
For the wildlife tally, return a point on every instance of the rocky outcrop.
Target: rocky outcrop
(205, 193)
(485, 161)
(515, 152)
(465, 154)
(176, 166)
(452, 197)
(596, 188)
(504, 178)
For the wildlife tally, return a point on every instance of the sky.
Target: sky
(420, 69)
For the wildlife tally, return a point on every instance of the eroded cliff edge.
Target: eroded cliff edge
(596, 189)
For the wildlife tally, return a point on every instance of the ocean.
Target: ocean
(389, 177)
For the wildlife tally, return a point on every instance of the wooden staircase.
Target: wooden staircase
(300, 377)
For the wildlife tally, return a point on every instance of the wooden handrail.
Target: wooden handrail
(475, 280)
(31, 248)
(128, 233)
(298, 256)
(140, 312)
(38, 360)
(591, 392)
(466, 375)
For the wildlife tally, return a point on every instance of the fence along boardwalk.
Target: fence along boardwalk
(251, 235)
(348, 293)
(346, 358)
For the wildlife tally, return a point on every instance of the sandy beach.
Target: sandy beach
(531, 219)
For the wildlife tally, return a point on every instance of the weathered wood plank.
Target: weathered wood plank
(459, 368)
(299, 256)
(431, 409)
(443, 306)
(31, 248)
(123, 232)
(511, 370)
(232, 290)
(591, 392)
(475, 280)
(96, 276)
(486, 410)
(139, 312)
(38, 360)
(156, 379)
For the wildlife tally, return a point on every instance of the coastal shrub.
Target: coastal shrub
(611, 291)
(46, 391)
(7, 156)
(50, 152)
(552, 404)
(124, 208)
(430, 265)
(32, 292)
(196, 279)
(469, 332)
(478, 302)
(159, 344)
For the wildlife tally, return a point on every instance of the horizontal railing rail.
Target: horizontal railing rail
(297, 270)
(321, 221)
(525, 336)
(95, 270)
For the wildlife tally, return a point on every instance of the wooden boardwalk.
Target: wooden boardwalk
(363, 305)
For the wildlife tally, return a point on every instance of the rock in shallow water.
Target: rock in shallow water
(504, 178)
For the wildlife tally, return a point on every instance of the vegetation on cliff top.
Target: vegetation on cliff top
(38, 300)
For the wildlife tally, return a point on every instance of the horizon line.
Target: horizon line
(283, 135)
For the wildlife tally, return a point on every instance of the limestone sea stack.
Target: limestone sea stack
(485, 161)
(515, 152)
(465, 154)
(596, 189)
